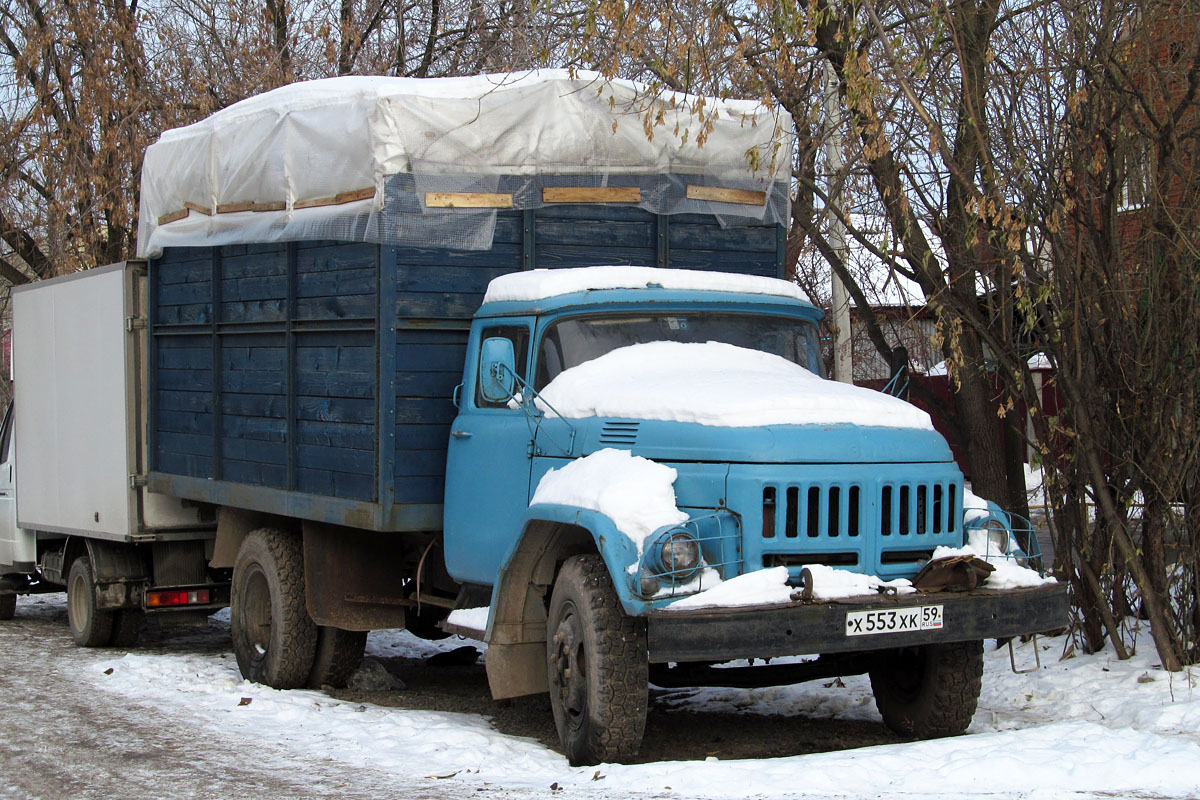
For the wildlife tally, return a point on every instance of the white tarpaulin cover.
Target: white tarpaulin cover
(488, 133)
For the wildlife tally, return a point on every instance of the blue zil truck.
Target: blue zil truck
(324, 425)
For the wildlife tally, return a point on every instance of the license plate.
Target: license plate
(893, 620)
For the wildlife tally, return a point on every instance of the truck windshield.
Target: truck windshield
(573, 341)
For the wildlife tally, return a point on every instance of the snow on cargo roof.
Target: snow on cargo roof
(713, 383)
(357, 158)
(539, 284)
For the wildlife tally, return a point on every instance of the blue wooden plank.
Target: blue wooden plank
(335, 484)
(424, 410)
(254, 381)
(455, 279)
(259, 450)
(595, 211)
(336, 384)
(336, 283)
(272, 359)
(431, 336)
(254, 405)
(557, 256)
(420, 489)
(262, 428)
(417, 436)
(427, 384)
(184, 314)
(184, 379)
(184, 464)
(346, 307)
(183, 400)
(185, 443)
(422, 305)
(254, 473)
(593, 233)
(254, 339)
(184, 358)
(501, 254)
(268, 260)
(420, 462)
(325, 257)
(185, 293)
(746, 263)
(244, 289)
(254, 311)
(335, 357)
(713, 237)
(336, 409)
(336, 434)
(194, 422)
(430, 357)
(338, 459)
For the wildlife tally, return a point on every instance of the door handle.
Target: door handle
(461, 434)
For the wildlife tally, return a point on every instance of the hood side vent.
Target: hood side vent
(619, 434)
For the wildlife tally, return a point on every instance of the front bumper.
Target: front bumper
(724, 634)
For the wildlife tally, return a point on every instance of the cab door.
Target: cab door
(487, 465)
(18, 549)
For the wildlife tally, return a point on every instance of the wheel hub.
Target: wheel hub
(570, 667)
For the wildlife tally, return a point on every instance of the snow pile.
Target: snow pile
(761, 587)
(713, 383)
(1087, 726)
(637, 494)
(834, 584)
(769, 587)
(539, 284)
(475, 619)
(974, 506)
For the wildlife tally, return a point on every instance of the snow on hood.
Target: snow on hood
(637, 494)
(720, 384)
(539, 284)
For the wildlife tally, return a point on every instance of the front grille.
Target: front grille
(917, 509)
(812, 512)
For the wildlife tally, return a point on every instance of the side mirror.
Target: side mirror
(497, 368)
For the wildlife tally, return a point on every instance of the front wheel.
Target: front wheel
(597, 666)
(929, 691)
(274, 639)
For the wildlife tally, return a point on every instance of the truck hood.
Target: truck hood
(674, 401)
(668, 441)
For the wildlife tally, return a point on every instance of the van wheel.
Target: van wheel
(597, 666)
(8, 605)
(338, 655)
(274, 639)
(90, 627)
(127, 627)
(929, 691)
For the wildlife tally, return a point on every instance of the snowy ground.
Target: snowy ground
(1087, 726)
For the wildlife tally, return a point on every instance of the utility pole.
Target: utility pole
(843, 353)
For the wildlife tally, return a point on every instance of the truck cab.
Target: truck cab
(774, 471)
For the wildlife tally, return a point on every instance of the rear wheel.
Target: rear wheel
(8, 605)
(274, 639)
(90, 627)
(597, 666)
(929, 691)
(337, 656)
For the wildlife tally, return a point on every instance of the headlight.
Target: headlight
(997, 537)
(675, 554)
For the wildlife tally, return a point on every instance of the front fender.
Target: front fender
(620, 554)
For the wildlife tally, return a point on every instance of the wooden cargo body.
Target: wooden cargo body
(315, 379)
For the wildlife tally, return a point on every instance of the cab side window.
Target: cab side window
(519, 336)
